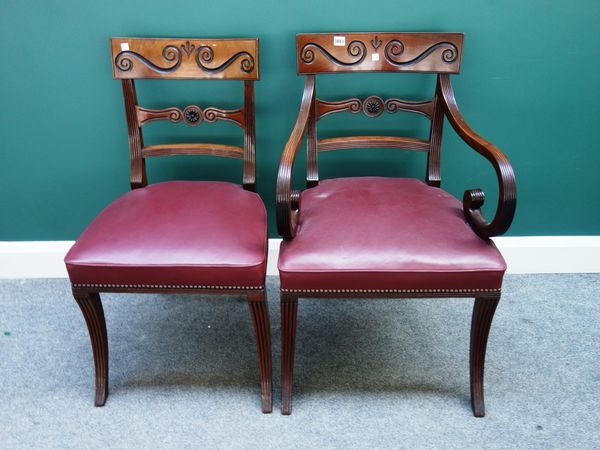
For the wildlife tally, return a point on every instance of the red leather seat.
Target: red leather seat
(179, 234)
(378, 234)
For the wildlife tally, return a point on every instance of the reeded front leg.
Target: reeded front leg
(260, 322)
(91, 307)
(289, 309)
(483, 313)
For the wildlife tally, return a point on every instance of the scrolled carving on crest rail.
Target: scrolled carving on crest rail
(356, 49)
(394, 48)
(170, 53)
(205, 54)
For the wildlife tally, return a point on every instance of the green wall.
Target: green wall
(529, 83)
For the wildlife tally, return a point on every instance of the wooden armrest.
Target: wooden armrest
(287, 207)
(473, 199)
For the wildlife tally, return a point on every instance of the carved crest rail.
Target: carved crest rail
(388, 52)
(185, 58)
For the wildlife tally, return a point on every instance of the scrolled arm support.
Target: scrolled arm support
(473, 199)
(288, 201)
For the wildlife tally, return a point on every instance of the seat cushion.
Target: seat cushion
(398, 234)
(192, 234)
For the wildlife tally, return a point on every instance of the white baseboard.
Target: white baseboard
(550, 254)
(33, 259)
(527, 254)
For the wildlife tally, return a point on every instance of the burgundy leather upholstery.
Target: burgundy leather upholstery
(373, 233)
(177, 233)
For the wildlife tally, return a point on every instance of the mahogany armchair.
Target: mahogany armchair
(387, 237)
(189, 237)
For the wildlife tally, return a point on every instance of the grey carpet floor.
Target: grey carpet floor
(369, 373)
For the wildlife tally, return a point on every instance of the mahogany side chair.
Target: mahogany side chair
(365, 237)
(188, 237)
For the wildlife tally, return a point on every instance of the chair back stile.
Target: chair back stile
(211, 59)
(322, 53)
